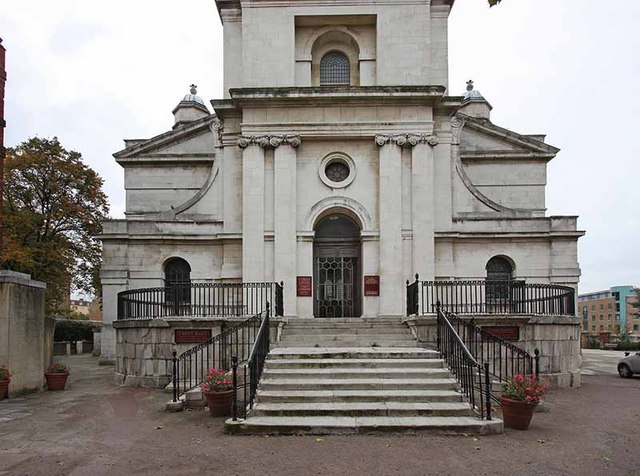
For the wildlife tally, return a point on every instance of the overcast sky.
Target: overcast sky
(94, 73)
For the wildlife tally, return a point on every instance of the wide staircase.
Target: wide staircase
(349, 376)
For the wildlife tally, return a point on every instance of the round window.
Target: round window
(337, 171)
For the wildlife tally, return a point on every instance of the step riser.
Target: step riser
(361, 413)
(311, 385)
(425, 364)
(380, 373)
(358, 343)
(358, 399)
(358, 330)
(346, 337)
(348, 355)
(443, 429)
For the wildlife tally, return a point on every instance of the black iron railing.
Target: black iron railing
(200, 300)
(504, 359)
(473, 377)
(246, 375)
(220, 351)
(490, 297)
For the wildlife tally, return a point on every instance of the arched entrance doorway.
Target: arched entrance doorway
(336, 267)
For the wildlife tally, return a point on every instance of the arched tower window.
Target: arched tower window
(177, 282)
(499, 269)
(335, 69)
(499, 280)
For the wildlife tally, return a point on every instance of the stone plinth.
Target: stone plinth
(556, 337)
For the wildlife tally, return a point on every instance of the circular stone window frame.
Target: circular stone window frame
(337, 157)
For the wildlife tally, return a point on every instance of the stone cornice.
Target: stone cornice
(409, 140)
(269, 141)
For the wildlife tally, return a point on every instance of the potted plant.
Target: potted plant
(218, 389)
(56, 375)
(520, 395)
(5, 379)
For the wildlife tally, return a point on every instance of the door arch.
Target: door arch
(337, 267)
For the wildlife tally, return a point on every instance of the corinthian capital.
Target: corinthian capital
(270, 141)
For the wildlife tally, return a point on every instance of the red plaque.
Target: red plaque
(192, 336)
(303, 286)
(372, 285)
(511, 333)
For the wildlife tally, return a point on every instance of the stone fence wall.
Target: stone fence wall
(25, 333)
(144, 346)
(557, 338)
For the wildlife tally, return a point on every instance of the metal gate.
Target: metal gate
(336, 286)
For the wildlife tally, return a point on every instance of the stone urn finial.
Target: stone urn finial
(193, 89)
(470, 85)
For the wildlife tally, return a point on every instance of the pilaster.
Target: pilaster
(284, 222)
(423, 210)
(252, 212)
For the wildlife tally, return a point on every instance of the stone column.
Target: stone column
(390, 196)
(423, 207)
(252, 210)
(285, 221)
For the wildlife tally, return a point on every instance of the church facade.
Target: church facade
(340, 163)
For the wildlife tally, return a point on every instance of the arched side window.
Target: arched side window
(499, 280)
(177, 282)
(499, 269)
(335, 69)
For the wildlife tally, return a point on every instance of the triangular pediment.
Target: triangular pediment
(481, 138)
(193, 140)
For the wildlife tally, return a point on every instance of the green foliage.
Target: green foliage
(593, 342)
(493, 3)
(72, 331)
(57, 369)
(4, 373)
(53, 207)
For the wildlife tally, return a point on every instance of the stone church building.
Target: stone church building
(339, 162)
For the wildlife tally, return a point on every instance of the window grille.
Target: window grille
(335, 69)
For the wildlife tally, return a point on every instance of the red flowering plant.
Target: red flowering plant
(217, 380)
(57, 369)
(524, 388)
(4, 373)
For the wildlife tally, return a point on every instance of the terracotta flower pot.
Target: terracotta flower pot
(56, 381)
(219, 403)
(4, 388)
(516, 414)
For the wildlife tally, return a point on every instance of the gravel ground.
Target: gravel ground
(96, 428)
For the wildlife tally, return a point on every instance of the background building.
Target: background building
(609, 311)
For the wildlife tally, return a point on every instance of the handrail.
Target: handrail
(254, 366)
(471, 375)
(193, 299)
(236, 342)
(489, 296)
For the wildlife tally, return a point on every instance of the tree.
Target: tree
(54, 207)
(635, 303)
(493, 3)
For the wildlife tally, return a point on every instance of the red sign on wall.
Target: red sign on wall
(372, 285)
(511, 333)
(303, 286)
(192, 336)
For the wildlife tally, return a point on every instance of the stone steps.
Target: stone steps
(350, 425)
(327, 396)
(354, 373)
(338, 389)
(392, 409)
(360, 363)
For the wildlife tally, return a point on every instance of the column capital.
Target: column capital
(457, 123)
(409, 140)
(270, 141)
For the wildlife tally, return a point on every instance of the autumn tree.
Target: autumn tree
(54, 207)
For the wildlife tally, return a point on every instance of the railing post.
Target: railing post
(536, 354)
(175, 375)
(280, 299)
(487, 390)
(234, 373)
(438, 326)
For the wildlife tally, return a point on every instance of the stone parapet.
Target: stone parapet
(556, 337)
